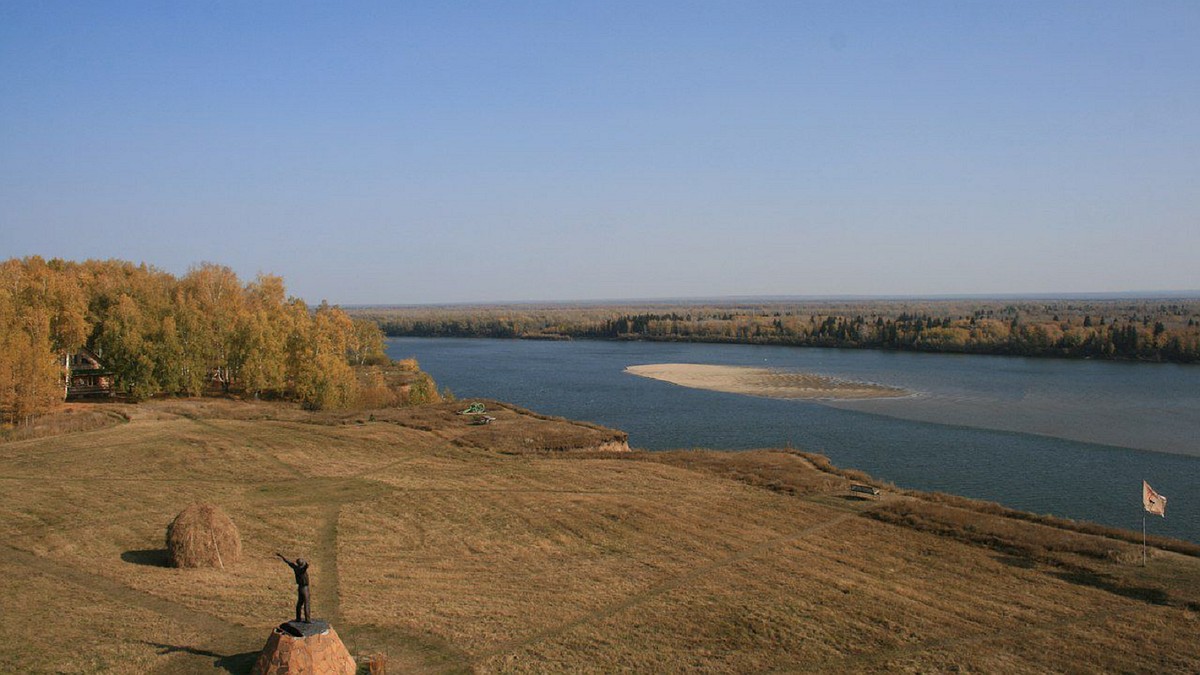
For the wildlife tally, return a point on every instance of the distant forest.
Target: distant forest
(158, 334)
(1144, 330)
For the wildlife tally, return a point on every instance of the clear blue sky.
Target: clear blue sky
(402, 152)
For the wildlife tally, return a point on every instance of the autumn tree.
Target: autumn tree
(323, 377)
(261, 340)
(160, 334)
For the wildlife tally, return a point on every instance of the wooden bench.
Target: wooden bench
(865, 489)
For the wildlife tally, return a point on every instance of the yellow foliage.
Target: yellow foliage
(162, 334)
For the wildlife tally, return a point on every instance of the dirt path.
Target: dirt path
(657, 590)
(330, 607)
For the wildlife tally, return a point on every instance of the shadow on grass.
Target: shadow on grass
(1016, 561)
(151, 557)
(233, 663)
(1154, 596)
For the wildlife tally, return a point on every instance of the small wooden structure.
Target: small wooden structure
(865, 490)
(86, 376)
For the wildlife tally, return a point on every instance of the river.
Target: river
(1069, 438)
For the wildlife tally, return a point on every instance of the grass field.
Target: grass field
(532, 544)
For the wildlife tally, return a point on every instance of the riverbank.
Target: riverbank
(771, 383)
(513, 547)
(1032, 434)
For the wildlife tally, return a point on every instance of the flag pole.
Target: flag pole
(1143, 538)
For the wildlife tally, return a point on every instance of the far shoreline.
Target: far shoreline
(561, 337)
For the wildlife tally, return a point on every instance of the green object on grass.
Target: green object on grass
(473, 409)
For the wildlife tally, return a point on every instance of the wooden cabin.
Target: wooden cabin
(86, 376)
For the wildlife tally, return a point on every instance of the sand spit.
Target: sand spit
(763, 381)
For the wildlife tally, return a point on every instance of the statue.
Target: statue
(300, 568)
(304, 645)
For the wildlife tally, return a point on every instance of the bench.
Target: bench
(865, 489)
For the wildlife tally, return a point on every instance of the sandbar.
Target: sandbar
(764, 382)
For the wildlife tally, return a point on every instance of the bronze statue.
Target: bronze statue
(300, 568)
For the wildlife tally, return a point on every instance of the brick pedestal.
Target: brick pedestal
(299, 648)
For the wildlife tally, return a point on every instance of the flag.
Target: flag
(1152, 501)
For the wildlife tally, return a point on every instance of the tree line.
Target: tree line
(162, 334)
(1144, 329)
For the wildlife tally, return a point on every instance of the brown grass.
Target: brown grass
(823, 464)
(992, 508)
(409, 365)
(398, 383)
(447, 554)
(778, 471)
(69, 418)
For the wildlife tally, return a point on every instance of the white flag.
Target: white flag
(1152, 501)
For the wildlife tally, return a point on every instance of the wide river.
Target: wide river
(1070, 438)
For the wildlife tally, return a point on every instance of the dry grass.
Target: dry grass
(399, 383)
(432, 543)
(1129, 536)
(822, 463)
(409, 365)
(775, 470)
(69, 418)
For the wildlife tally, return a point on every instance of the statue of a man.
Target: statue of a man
(300, 568)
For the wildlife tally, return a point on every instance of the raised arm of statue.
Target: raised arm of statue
(289, 562)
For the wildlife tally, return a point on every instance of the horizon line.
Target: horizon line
(777, 298)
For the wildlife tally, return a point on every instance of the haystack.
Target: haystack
(202, 535)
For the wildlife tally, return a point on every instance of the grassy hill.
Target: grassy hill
(535, 544)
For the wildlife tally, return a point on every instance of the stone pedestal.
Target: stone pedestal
(304, 648)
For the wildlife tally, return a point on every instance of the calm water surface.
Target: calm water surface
(1071, 438)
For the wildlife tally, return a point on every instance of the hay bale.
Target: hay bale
(202, 535)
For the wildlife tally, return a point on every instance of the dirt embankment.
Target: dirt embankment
(509, 429)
